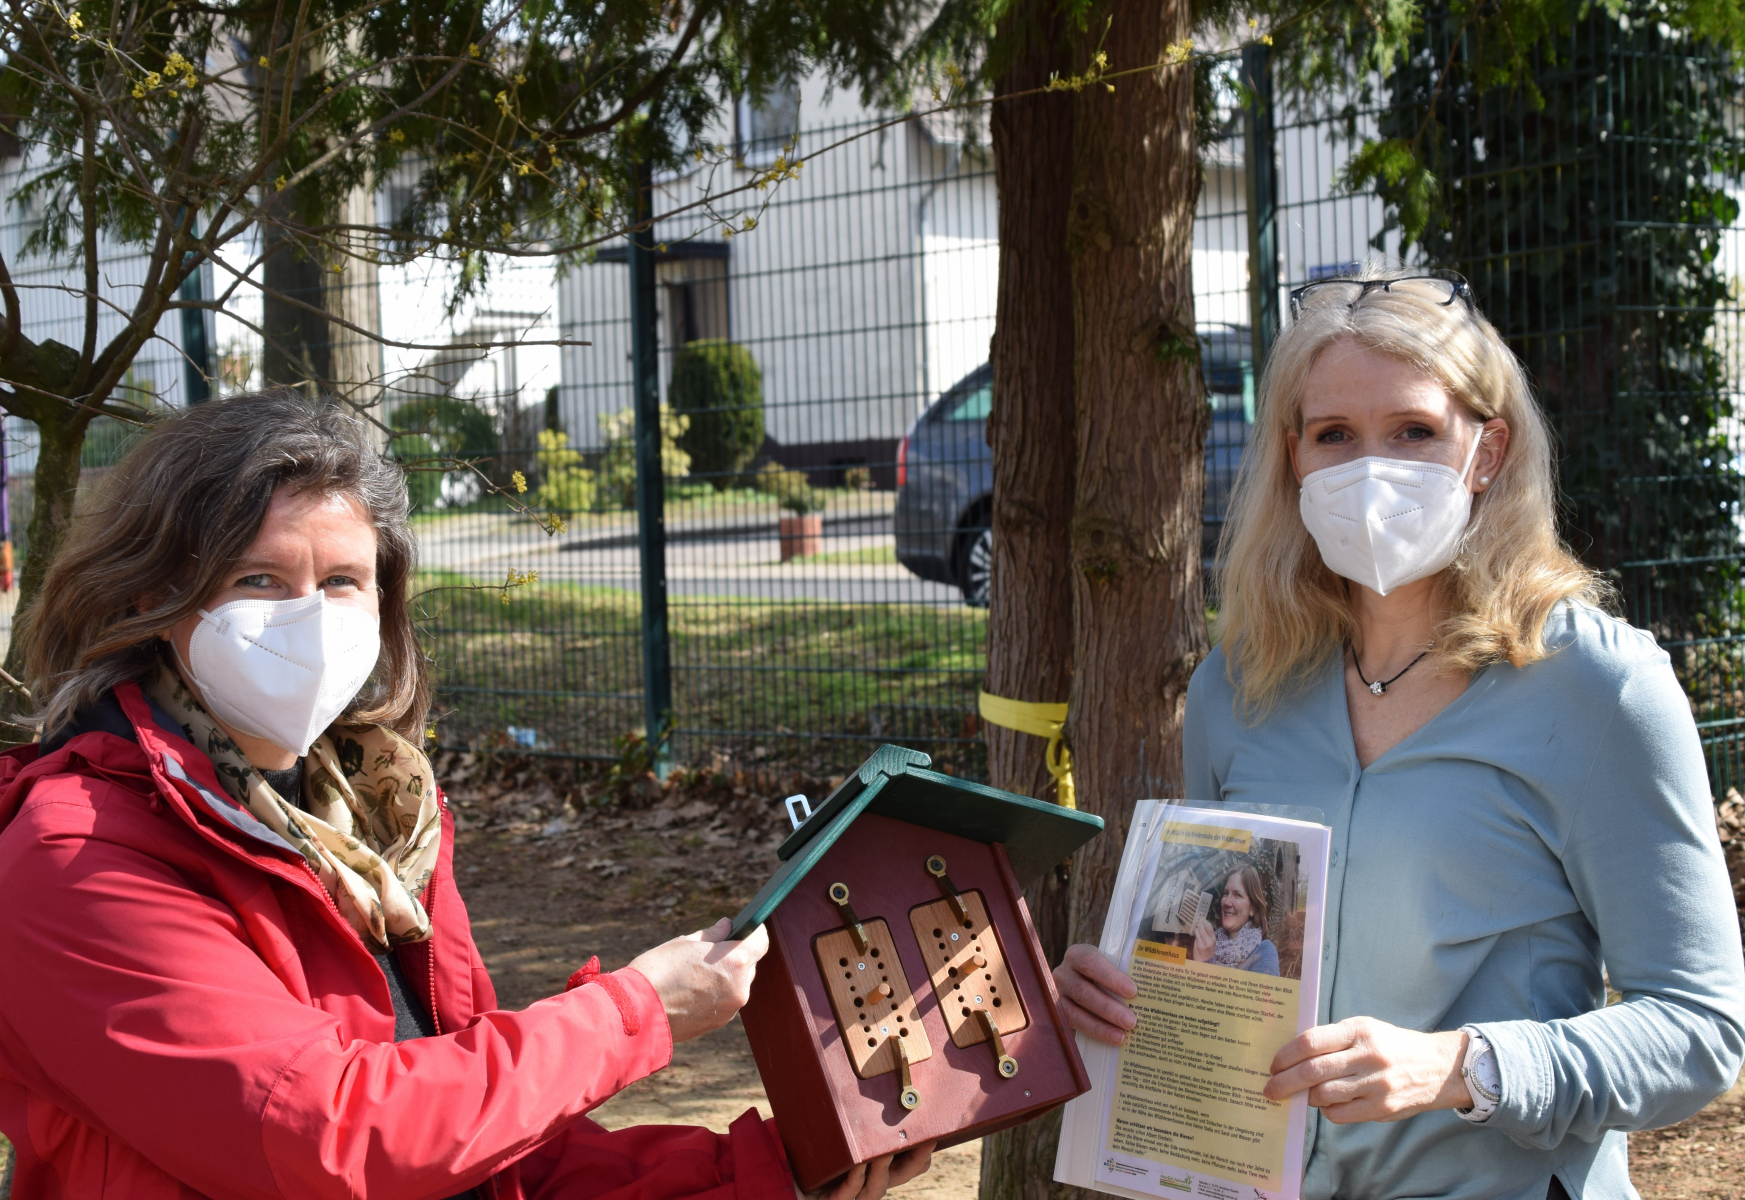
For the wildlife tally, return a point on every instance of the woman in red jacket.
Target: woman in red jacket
(233, 961)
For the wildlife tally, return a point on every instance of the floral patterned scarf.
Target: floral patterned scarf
(369, 826)
(1234, 951)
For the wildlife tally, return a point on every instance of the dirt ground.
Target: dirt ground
(558, 868)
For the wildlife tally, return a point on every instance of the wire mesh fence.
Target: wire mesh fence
(820, 394)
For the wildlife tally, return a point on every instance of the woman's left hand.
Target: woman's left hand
(871, 1180)
(1363, 1069)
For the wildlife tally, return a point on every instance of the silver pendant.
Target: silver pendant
(1378, 687)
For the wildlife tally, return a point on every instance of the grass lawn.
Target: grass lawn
(867, 556)
(566, 660)
(683, 502)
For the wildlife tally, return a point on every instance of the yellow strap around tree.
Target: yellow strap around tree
(1038, 720)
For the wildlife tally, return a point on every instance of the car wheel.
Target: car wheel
(975, 571)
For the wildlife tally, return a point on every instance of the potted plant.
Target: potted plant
(802, 522)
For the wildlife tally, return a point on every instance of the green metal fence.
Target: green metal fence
(802, 363)
(1600, 225)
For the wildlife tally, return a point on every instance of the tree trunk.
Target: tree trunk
(353, 294)
(1138, 611)
(51, 512)
(1030, 607)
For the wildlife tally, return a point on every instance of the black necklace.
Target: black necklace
(1379, 687)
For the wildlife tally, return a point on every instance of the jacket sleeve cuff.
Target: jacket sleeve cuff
(640, 1012)
(1529, 1088)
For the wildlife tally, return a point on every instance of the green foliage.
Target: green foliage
(718, 386)
(419, 459)
(565, 484)
(458, 429)
(1589, 213)
(519, 123)
(790, 489)
(618, 463)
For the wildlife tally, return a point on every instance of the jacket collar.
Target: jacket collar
(127, 736)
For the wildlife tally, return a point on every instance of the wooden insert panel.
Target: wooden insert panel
(947, 946)
(868, 1020)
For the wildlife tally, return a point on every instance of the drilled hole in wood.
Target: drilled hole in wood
(842, 961)
(996, 1002)
(872, 1041)
(858, 1002)
(938, 933)
(874, 952)
(902, 1032)
(960, 959)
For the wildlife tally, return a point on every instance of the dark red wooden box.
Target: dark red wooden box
(875, 836)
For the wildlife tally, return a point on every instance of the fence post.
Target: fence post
(657, 678)
(1260, 158)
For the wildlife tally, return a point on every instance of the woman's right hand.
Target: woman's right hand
(1205, 941)
(702, 979)
(1094, 994)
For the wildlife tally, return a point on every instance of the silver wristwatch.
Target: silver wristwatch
(1482, 1077)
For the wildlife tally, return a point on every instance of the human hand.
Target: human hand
(871, 1180)
(702, 979)
(1094, 994)
(1362, 1069)
(1205, 941)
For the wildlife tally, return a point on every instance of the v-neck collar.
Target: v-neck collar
(1337, 682)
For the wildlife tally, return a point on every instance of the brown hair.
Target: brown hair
(169, 523)
(1256, 889)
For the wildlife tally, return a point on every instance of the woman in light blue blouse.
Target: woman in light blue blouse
(1516, 789)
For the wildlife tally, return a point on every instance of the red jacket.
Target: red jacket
(183, 1013)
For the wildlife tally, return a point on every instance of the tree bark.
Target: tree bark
(51, 512)
(1031, 424)
(1138, 611)
(1030, 606)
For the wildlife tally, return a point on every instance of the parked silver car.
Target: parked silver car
(945, 471)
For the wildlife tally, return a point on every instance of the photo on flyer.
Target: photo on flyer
(1224, 942)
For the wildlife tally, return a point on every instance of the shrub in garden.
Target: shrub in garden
(565, 485)
(717, 384)
(618, 464)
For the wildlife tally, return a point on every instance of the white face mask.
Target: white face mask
(1386, 522)
(282, 670)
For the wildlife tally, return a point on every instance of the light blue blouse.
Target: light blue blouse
(1553, 818)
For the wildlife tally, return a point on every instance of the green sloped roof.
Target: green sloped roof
(895, 782)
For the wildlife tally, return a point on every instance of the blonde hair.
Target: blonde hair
(1282, 611)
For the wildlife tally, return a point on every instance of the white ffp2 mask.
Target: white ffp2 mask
(1387, 522)
(282, 670)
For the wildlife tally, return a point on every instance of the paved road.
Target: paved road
(728, 555)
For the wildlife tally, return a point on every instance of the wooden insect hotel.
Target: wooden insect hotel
(905, 997)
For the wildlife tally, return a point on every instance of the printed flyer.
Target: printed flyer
(1217, 916)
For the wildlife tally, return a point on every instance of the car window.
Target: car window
(973, 405)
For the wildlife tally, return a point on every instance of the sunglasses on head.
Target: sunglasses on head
(1442, 289)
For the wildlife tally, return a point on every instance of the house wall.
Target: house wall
(865, 288)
